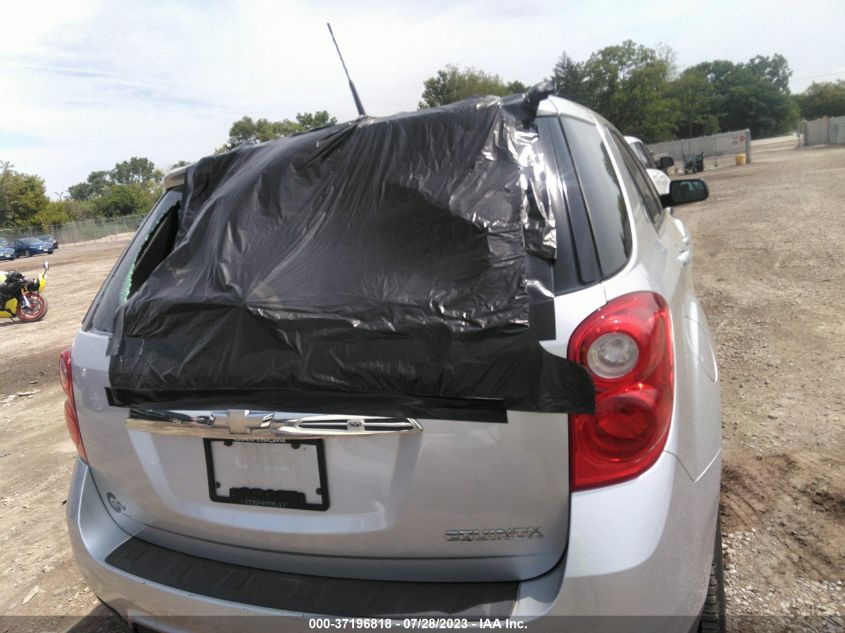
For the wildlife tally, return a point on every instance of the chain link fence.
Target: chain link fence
(81, 231)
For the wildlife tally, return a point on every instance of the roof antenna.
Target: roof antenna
(355, 96)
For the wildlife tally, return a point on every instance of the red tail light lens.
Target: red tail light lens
(66, 378)
(627, 348)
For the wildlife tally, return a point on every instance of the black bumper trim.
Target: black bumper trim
(311, 594)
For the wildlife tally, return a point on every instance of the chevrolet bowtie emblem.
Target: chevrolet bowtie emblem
(240, 422)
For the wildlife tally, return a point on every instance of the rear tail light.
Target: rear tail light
(627, 348)
(71, 419)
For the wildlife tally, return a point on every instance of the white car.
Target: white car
(658, 176)
(661, 182)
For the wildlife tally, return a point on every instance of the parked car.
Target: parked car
(30, 246)
(657, 172)
(49, 239)
(7, 251)
(611, 511)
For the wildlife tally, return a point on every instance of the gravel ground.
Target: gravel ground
(770, 271)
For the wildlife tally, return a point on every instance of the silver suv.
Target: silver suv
(607, 512)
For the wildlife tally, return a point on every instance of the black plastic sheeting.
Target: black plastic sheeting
(390, 266)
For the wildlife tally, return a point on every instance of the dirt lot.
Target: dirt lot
(770, 271)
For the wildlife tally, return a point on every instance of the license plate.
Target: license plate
(266, 473)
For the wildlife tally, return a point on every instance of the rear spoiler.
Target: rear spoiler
(175, 178)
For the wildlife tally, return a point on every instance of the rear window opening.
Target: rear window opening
(151, 244)
(156, 247)
(411, 269)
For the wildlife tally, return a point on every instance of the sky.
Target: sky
(85, 84)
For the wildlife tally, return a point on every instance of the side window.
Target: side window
(644, 155)
(576, 265)
(643, 189)
(602, 194)
(150, 245)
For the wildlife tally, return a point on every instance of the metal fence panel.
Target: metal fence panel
(824, 131)
(722, 146)
(837, 130)
(816, 132)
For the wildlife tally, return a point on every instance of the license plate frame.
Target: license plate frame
(269, 498)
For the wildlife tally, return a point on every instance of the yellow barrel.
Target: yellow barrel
(740, 159)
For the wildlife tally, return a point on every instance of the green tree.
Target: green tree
(137, 171)
(668, 56)
(696, 104)
(644, 107)
(22, 196)
(606, 71)
(751, 95)
(313, 120)
(516, 86)
(247, 130)
(774, 69)
(823, 99)
(94, 186)
(760, 106)
(627, 84)
(121, 199)
(56, 212)
(637, 88)
(130, 187)
(568, 78)
(452, 84)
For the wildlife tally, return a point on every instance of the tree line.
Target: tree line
(640, 91)
(129, 187)
(635, 87)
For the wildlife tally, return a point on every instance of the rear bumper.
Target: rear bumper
(638, 549)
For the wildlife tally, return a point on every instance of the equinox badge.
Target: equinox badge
(494, 534)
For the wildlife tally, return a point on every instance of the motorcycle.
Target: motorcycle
(694, 163)
(21, 298)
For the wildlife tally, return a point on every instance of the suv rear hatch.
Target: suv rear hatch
(436, 464)
(470, 501)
